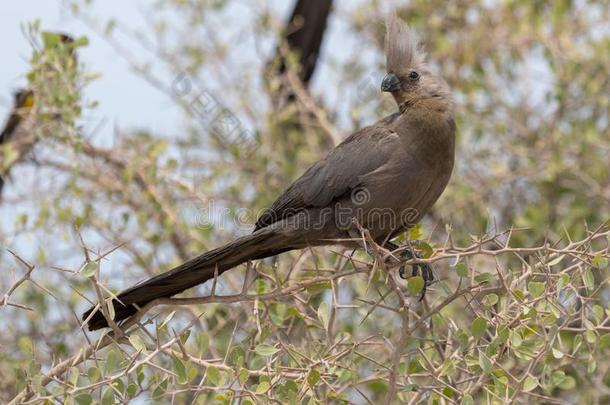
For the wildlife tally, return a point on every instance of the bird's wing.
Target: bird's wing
(24, 100)
(335, 175)
(9, 128)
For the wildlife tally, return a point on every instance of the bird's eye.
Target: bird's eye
(413, 75)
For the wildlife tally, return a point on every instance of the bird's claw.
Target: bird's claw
(424, 268)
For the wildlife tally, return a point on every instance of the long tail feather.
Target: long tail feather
(260, 244)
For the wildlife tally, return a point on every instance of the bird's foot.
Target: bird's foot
(423, 269)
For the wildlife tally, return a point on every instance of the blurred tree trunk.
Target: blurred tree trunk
(303, 36)
(298, 131)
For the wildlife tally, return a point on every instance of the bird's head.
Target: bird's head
(23, 98)
(409, 77)
(65, 38)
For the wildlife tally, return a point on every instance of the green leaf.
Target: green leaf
(323, 314)
(113, 361)
(378, 386)
(237, 356)
(490, 300)
(530, 384)
(137, 343)
(262, 387)
(604, 341)
(515, 338)
(535, 288)
(519, 294)
(84, 399)
(415, 232)
(140, 375)
(160, 390)
(415, 285)
(313, 377)
(590, 336)
(576, 344)
(119, 386)
(414, 366)
(213, 376)
(89, 269)
(426, 250)
(26, 345)
(167, 319)
(265, 350)
(132, 390)
(600, 261)
(344, 376)
(80, 42)
(184, 336)
(108, 397)
(180, 370)
(221, 399)
(74, 374)
(447, 369)
(110, 308)
(503, 333)
(563, 281)
(589, 280)
(461, 269)
(243, 376)
(278, 313)
(557, 377)
(483, 278)
(556, 260)
(318, 288)
(478, 327)
(485, 363)
(203, 341)
(50, 39)
(569, 383)
(262, 286)
(598, 313)
(558, 354)
(94, 374)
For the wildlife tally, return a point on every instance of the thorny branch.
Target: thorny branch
(412, 319)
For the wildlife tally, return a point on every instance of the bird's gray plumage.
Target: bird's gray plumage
(383, 178)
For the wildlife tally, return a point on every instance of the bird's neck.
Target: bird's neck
(437, 104)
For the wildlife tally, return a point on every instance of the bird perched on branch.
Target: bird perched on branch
(380, 180)
(19, 133)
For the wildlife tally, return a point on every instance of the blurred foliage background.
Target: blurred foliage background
(520, 313)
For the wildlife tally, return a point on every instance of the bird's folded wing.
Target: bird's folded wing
(336, 175)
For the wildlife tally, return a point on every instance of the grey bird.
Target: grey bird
(382, 179)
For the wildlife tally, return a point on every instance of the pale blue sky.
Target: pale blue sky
(125, 99)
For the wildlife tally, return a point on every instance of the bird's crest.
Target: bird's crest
(402, 47)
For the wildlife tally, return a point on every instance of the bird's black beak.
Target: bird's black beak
(390, 82)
